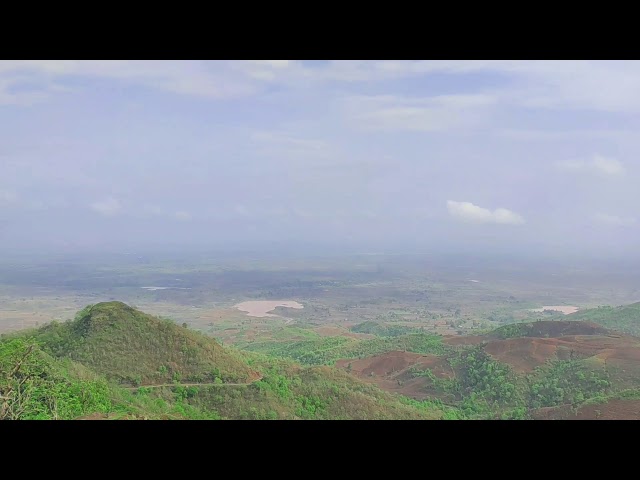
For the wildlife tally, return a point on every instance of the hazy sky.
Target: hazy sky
(525, 156)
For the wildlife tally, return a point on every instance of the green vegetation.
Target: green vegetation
(623, 319)
(482, 386)
(288, 391)
(486, 388)
(33, 385)
(134, 348)
(546, 328)
(513, 330)
(65, 371)
(380, 330)
(113, 361)
(325, 351)
(566, 382)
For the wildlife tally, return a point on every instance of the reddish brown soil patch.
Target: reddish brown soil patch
(612, 410)
(94, 416)
(523, 354)
(526, 353)
(620, 355)
(552, 413)
(561, 328)
(557, 340)
(386, 364)
(391, 372)
(619, 409)
(470, 340)
(543, 341)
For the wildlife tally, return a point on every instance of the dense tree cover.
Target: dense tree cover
(566, 382)
(325, 351)
(41, 376)
(486, 388)
(381, 330)
(288, 391)
(131, 347)
(625, 318)
(34, 386)
(73, 369)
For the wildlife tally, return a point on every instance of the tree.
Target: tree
(14, 390)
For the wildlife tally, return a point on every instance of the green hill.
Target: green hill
(34, 385)
(132, 347)
(113, 361)
(548, 328)
(326, 350)
(625, 318)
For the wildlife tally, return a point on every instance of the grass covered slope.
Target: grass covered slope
(327, 350)
(36, 386)
(625, 318)
(113, 361)
(291, 392)
(129, 346)
(548, 329)
(516, 371)
(76, 369)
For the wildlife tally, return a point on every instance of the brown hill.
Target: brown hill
(614, 409)
(521, 346)
(391, 371)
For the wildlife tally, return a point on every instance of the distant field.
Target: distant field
(443, 296)
(566, 309)
(417, 328)
(261, 308)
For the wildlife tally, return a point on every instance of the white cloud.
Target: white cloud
(608, 166)
(268, 70)
(152, 210)
(614, 220)
(301, 213)
(205, 79)
(469, 212)
(428, 114)
(183, 216)
(108, 207)
(597, 164)
(599, 85)
(285, 140)
(609, 86)
(241, 210)
(303, 151)
(156, 211)
(535, 135)
(7, 197)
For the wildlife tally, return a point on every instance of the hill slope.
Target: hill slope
(34, 385)
(516, 371)
(131, 347)
(625, 318)
(91, 367)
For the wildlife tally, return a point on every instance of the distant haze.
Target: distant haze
(518, 157)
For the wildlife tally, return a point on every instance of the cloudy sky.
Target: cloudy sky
(525, 156)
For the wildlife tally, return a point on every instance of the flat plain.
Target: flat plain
(443, 295)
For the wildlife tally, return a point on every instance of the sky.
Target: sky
(523, 157)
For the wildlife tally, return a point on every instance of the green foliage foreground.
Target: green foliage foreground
(90, 366)
(486, 388)
(112, 361)
(34, 386)
(325, 351)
